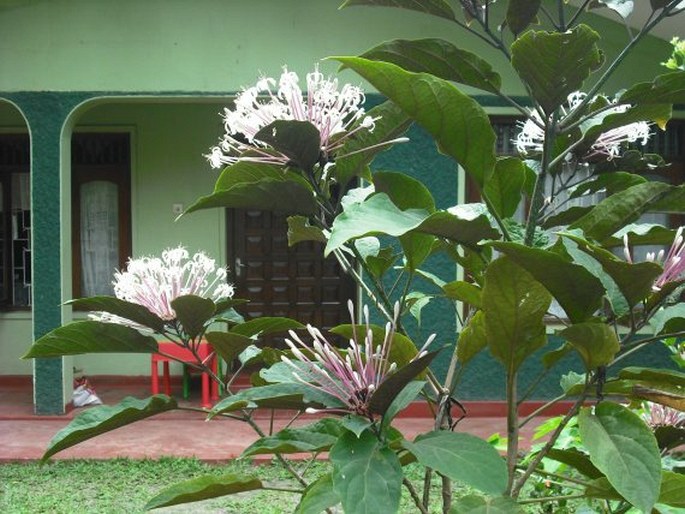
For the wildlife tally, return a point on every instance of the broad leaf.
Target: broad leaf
(227, 344)
(247, 172)
(672, 202)
(464, 224)
(416, 248)
(121, 308)
(542, 60)
(674, 398)
(285, 396)
(672, 489)
(440, 58)
(634, 280)
(462, 291)
(435, 7)
(300, 141)
(105, 418)
(402, 401)
(316, 437)
(625, 450)
(596, 343)
(91, 337)
(576, 459)
(611, 182)
(551, 358)
(318, 496)
(669, 319)
(367, 475)
(613, 213)
(642, 234)
(300, 230)
(460, 126)
(391, 387)
(472, 504)
(623, 7)
(472, 338)
(505, 187)
(350, 162)
(257, 327)
(521, 13)
(514, 304)
(404, 191)
(578, 292)
(462, 457)
(203, 488)
(668, 88)
(193, 312)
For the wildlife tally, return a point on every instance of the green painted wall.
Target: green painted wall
(215, 45)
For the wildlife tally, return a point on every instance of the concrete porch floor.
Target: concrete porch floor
(25, 436)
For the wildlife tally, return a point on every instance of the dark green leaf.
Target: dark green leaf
(576, 459)
(404, 191)
(387, 391)
(634, 280)
(226, 305)
(91, 337)
(227, 344)
(578, 292)
(672, 489)
(380, 264)
(247, 172)
(465, 224)
(669, 319)
(550, 358)
(440, 58)
(566, 217)
(625, 450)
(356, 424)
(203, 488)
(611, 182)
(416, 248)
(669, 437)
(257, 327)
(193, 312)
(121, 308)
(367, 476)
(642, 234)
(393, 123)
(318, 496)
(300, 230)
(505, 187)
(416, 301)
(521, 13)
(461, 457)
(472, 504)
(435, 7)
(613, 213)
(286, 396)
(460, 126)
(300, 141)
(595, 342)
(316, 437)
(472, 338)
(673, 201)
(402, 401)
(668, 88)
(542, 60)
(514, 304)
(105, 418)
(463, 292)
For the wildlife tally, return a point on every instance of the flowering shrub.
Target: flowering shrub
(302, 153)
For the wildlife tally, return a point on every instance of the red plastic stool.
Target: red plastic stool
(181, 354)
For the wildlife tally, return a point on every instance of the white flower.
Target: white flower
(657, 415)
(331, 111)
(672, 261)
(609, 144)
(154, 283)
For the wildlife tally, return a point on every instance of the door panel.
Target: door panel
(284, 281)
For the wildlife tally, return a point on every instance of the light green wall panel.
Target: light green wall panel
(15, 340)
(218, 45)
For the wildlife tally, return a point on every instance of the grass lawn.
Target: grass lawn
(124, 486)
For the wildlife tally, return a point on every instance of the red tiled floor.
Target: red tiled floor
(24, 436)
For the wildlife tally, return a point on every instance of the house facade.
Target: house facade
(106, 110)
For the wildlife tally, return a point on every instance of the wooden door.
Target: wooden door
(278, 280)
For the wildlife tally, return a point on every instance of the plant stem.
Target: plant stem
(446, 494)
(282, 489)
(539, 190)
(550, 443)
(414, 495)
(540, 409)
(512, 429)
(552, 498)
(556, 475)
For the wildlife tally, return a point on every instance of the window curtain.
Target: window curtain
(99, 237)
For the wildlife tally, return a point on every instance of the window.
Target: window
(15, 221)
(101, 205)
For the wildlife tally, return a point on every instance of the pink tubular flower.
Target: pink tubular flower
(331, 111)
(657, 415)
(673, 263)
(154, 283)
(351, 375)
